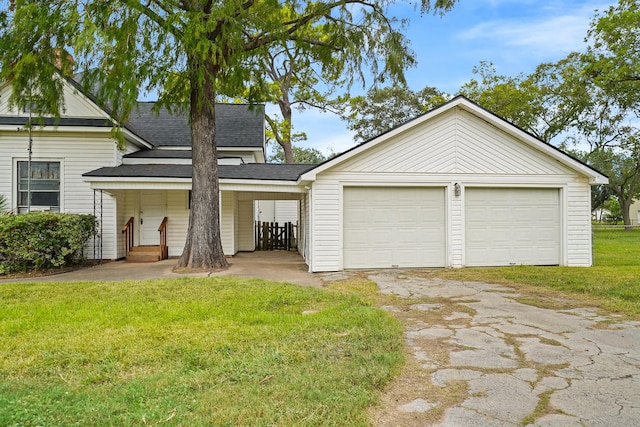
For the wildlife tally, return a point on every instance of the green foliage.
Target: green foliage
(4, 204)
(382, 109)
(613, 59)
(615, 211)
(622, 166)
(193, 352)
(545, 103)
(300, 155)
(41, 240)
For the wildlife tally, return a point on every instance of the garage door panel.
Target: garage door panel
(507, 226)
(401, 226)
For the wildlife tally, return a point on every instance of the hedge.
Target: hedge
(42, 240)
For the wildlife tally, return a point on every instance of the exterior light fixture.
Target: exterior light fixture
(456, 189)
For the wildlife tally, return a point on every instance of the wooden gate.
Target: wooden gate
(270, 236)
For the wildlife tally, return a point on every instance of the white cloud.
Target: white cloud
(556, 31)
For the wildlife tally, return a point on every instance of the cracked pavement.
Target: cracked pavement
(519, 364)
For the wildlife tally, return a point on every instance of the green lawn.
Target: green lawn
(191, 352)
(613, 283)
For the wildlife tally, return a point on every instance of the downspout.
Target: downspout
(309, 238)
(29, 150)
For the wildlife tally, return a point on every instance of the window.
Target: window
(44, 188)
(35, 105)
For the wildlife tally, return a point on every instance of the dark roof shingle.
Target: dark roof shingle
(258, 171)
(237, 125)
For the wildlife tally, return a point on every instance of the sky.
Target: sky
(516, 35)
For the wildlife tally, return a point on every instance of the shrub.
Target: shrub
(41, 240)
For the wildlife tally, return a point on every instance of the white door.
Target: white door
(153, 208)
(393, 227)
(512, 226)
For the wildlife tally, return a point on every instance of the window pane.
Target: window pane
(22, 198)
(39, 170)
(44, 199)
(44, 184)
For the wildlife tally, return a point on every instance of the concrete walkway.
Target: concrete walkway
(276, 265)
(520, 364)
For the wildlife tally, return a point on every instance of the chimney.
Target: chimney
(66, 66)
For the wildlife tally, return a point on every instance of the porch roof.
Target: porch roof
(249, 171)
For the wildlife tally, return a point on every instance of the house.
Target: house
(634, 213)
(457, 186)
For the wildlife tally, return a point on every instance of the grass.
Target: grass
(613, 283)
(217, 351)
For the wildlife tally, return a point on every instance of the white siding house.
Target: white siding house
(455, 187)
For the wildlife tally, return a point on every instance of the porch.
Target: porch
(153, 223)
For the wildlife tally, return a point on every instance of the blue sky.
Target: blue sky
(516, 35)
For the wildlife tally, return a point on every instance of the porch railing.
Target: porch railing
(164, 250)
(127, 230)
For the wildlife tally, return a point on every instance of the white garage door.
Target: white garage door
(512, 226)
(394, 227)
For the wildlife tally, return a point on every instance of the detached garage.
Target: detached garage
(455, 187)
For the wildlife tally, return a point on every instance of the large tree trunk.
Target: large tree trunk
(203, 248)
(285, 110)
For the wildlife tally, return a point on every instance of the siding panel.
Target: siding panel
(77, 154)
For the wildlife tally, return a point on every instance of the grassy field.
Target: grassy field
(613, 283)
(192, 352)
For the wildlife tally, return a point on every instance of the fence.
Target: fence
(270, 236)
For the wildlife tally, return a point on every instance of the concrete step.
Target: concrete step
(144, 254)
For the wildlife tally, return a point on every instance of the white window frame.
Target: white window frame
(15, 184)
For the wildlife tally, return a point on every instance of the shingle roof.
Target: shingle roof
(258, 171)
(50, 121)
(160, 154)
(237, 125)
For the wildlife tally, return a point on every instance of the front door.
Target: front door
(153, 208)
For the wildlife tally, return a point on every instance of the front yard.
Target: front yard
(229, 351)
(218, 351)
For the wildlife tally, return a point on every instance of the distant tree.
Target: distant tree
(623, 169)
(508, 97)
(296, 80)
(299, 77)
(613, 55)
(300, 155)
(599, 195)
(545, 103)
(615, 211)
(382, 109)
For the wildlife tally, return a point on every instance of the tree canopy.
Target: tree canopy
(382, 109)
(613, 55)
(189, 49)
(300, 155)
